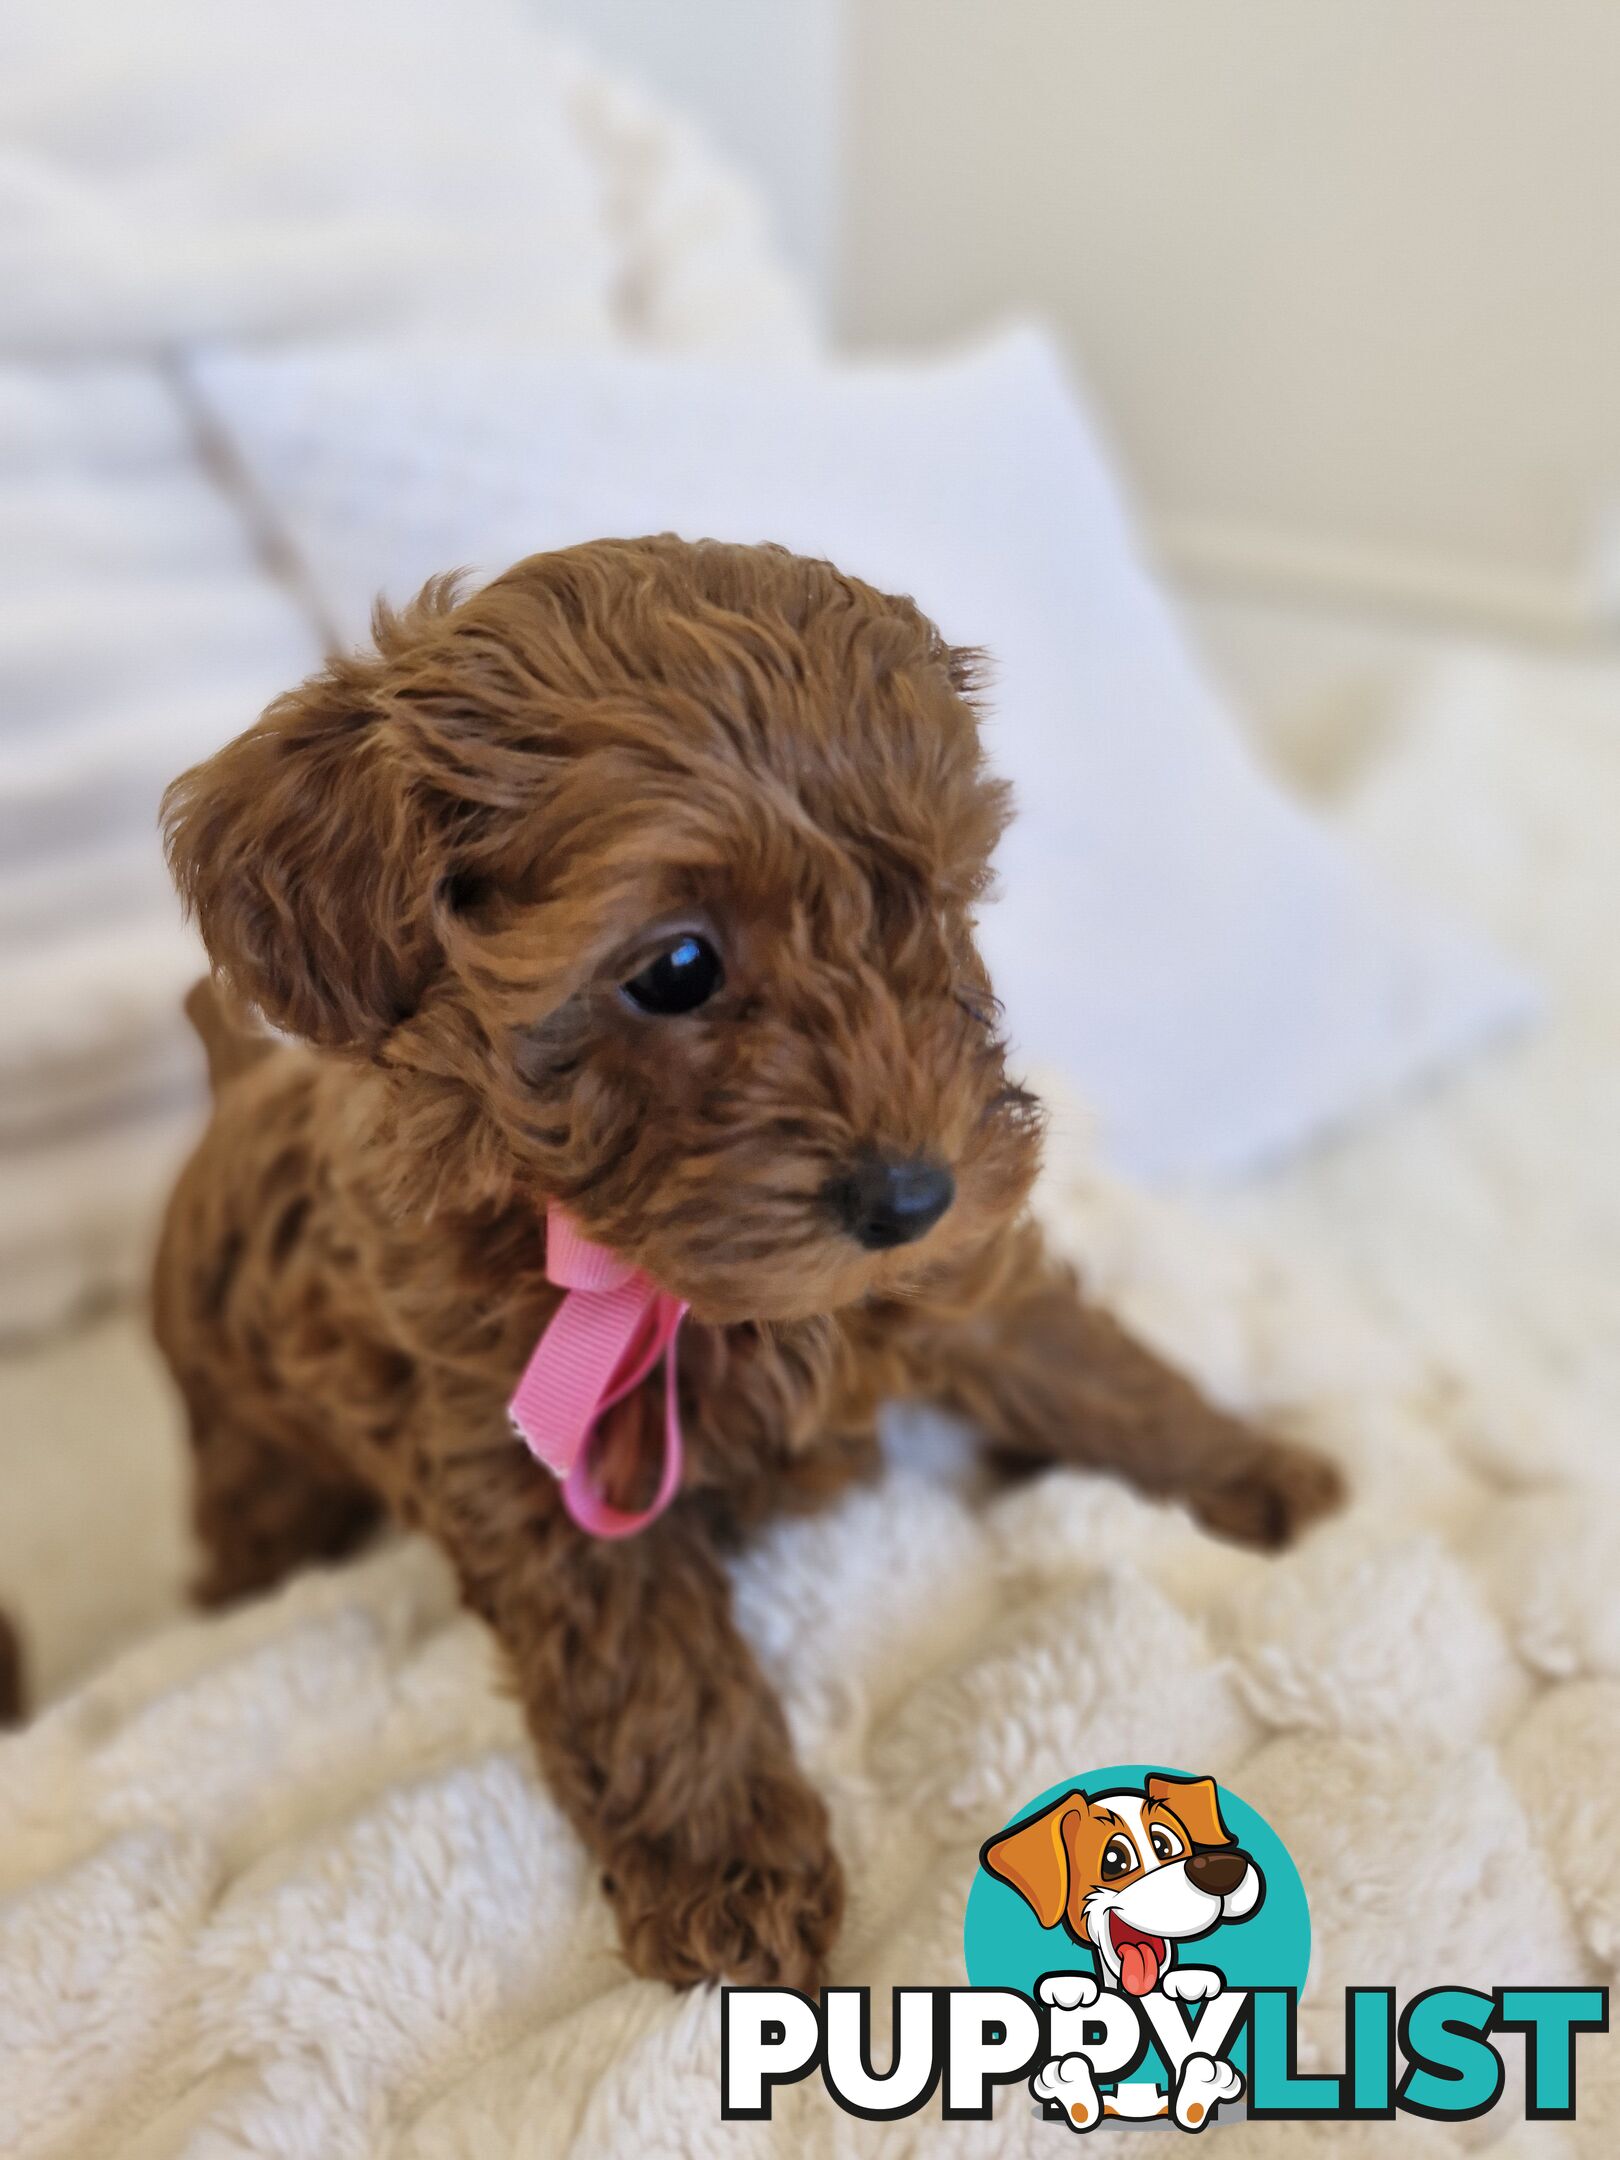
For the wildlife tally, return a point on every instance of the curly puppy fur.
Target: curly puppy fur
(435, 866)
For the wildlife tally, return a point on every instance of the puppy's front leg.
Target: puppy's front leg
(655, 1728)
(1046, 1375)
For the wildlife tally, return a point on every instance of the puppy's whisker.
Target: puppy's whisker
(980, 1007)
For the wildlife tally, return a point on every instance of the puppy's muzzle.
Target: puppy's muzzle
(1218, 1872)
(882, 1203)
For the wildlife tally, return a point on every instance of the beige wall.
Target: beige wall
(1345, 274)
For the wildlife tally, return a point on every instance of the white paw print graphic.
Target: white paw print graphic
(1068, 2083)
(1191, 1983)
(1068, 1991)
(1202, 2085)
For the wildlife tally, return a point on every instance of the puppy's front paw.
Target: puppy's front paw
(1271, 1491)
(765, 1916)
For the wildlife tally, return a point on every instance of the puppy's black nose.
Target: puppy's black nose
(883, 1203)
(1218, 1872)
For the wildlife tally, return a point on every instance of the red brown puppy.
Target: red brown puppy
(641, 882)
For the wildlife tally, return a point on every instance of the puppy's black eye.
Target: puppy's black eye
(680, 980)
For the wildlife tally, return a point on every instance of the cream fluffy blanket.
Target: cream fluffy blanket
(287, 1885)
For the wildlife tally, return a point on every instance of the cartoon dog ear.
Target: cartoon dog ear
(1197, 1804)
(1033, 1856)
(299, 852)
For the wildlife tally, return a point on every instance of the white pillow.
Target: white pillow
(1179, 937)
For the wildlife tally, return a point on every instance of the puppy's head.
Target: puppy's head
(1130, 1874)
(647, 876)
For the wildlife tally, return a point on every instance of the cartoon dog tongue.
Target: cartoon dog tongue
(1139, 1960)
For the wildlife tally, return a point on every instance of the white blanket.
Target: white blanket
(289, 1885)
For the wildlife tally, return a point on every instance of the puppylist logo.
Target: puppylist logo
(1141, 1871)
(1136, 1941)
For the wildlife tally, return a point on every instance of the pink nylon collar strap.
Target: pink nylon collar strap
(610, 1330)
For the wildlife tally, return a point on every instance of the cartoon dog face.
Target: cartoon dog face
(1130, 1874)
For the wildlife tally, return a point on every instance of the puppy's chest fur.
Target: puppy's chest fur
(372, 1326)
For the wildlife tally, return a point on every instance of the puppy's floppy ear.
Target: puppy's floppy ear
(1197, 1804)
(310, 862)
(1033, 1856)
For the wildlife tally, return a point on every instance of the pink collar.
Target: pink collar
(610, 1330)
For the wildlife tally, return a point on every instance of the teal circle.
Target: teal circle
(1006, 1946)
